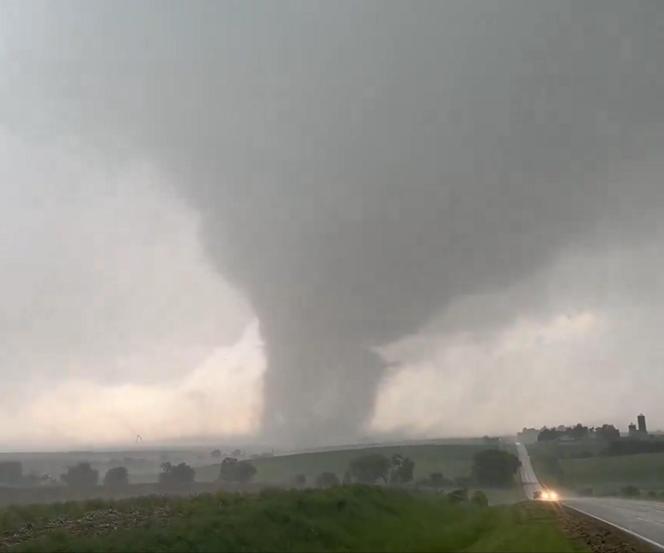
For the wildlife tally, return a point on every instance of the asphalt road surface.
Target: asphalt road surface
(643, 519)
(527, 475)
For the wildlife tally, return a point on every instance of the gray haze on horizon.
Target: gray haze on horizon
(364, 172)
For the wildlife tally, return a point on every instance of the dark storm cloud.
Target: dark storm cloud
(360, 165)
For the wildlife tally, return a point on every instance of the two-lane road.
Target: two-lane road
(527, 474)
(643, 519)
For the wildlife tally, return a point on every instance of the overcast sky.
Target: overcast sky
(311, 222)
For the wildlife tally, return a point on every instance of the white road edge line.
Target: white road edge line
(626, 530)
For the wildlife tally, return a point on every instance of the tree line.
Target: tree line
(606, 432)
(491, 467)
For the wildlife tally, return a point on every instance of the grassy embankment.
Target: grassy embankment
(339, 519)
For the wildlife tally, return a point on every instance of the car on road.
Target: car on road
(545, 495)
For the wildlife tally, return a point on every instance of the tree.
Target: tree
(494, 467)
(608, 432)
(578, 432)
(117, 477)
(215, 454)
(402, 470)
(81, 475)
(548, 434)
(327, 480)
(176, 476)
(369, 468)
(233, 470)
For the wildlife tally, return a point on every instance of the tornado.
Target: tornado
(358, 166)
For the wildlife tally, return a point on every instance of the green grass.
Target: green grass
(644, 468)
(451, 460)
(524, 527)
(603, 473)
(340, 519)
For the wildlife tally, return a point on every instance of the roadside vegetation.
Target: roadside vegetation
(345, 518)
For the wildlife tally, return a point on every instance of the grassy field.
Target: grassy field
(340, 519)
(452, 460)
(605, 475)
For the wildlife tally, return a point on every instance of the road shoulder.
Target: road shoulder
(597, 536)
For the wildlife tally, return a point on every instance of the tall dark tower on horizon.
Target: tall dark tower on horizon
(641, 419)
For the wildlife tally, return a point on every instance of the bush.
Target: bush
(81, 476)
(233, 470)
(586, 492)
(117, 477)
(327, 480)
(479, 498)
(176, 476)
(630, 491)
